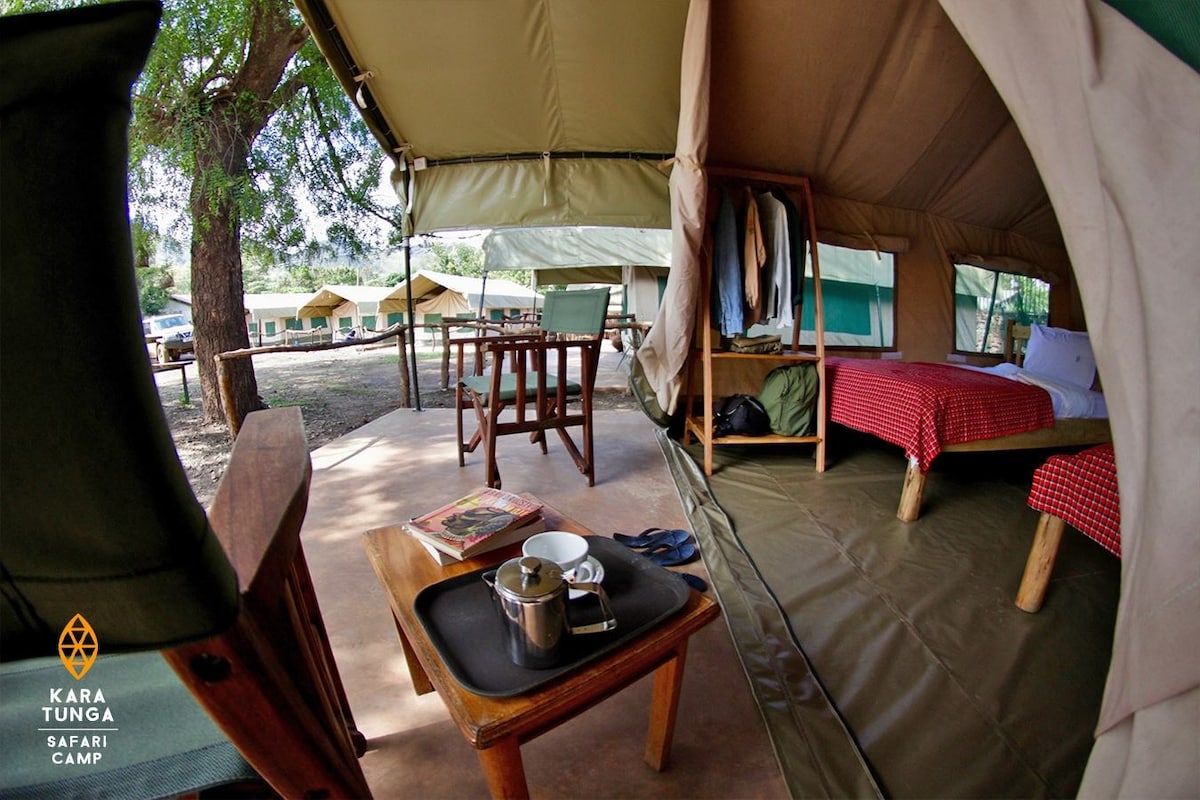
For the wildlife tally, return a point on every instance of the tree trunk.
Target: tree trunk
(230, 118)
(219, 316)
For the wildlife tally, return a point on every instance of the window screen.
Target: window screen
(985, 300)
(858, 296)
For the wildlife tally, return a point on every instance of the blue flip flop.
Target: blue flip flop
(653, 538)
(684, 553)
(694, 581)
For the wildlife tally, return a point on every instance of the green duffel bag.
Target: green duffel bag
(790, 396)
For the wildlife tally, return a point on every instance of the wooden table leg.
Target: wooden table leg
(504, 770)
(420, 680)
(668, 680)
(1040, 563)
(910, 495)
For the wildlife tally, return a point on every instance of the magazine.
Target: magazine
(482, 520)
(537, 525)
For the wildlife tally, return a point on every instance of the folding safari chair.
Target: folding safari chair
(527, 373)
(104, 548)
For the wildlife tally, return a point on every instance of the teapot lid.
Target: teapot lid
(529, 578)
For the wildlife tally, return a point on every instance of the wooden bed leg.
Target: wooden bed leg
(1041, 563)
(910, 495)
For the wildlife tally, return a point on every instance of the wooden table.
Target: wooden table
(497, 726)
(170, 365)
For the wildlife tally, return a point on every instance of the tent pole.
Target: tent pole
(409, 180)
(412, 327)
(482, 292)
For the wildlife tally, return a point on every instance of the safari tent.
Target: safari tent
(437, 293)
(1054, 137)
(343, 306)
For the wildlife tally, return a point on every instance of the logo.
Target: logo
(77, 646)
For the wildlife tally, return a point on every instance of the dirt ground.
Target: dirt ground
(338, 391)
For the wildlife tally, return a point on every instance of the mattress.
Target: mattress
(1069, 401)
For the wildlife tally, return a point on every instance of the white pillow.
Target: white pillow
(1062, 354)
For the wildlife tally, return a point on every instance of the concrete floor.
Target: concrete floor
(405, 463)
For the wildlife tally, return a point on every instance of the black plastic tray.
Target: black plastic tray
(460, 616)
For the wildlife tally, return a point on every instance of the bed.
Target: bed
(1079, 490)
(928, 409)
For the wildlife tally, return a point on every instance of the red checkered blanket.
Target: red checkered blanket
(923, 407)
(1081, 490)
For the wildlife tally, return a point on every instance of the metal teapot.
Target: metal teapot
(531, 596)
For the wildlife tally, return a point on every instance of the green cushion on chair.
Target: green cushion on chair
(159, 742)
(481, 386)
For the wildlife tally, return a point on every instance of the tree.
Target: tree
(238, 124)
(237, 117)
(154, 282)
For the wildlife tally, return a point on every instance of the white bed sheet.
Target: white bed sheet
(1070, 401)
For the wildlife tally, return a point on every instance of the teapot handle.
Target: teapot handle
(609, 622)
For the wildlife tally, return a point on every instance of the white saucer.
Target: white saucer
(598, 573)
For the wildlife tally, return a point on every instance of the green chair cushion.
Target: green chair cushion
(481, 386)
(159, 742)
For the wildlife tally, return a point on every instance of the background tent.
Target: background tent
(1015, 132)
(269, 313)
(437, 292)
(580, 254)
(332, 301)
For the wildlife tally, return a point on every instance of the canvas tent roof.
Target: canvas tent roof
(498, 293)
(273, 305)
(1023, 130)
(538, 69)
(581, 254)
(324, 301)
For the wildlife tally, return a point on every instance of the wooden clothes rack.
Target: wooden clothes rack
(722, 372)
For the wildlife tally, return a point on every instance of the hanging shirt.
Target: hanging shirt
(777, 272)
(797, 241)
(727, 270)
(754, 256)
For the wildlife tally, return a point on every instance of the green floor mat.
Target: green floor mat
(947, 688)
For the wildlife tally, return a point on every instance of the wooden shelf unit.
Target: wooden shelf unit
(722, 372)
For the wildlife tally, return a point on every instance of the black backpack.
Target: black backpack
(741, 414)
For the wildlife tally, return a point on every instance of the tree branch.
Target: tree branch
(338, 172)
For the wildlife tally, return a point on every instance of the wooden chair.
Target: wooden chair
(105, 547)
(534, 384)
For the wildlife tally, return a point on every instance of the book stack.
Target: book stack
(484, 520)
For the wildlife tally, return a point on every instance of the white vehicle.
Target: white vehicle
(171, 335)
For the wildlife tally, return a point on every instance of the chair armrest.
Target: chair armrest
(481, 345)
(262, 498)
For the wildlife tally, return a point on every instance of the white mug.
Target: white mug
(568, 550)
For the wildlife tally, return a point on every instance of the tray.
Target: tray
(462, 622)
